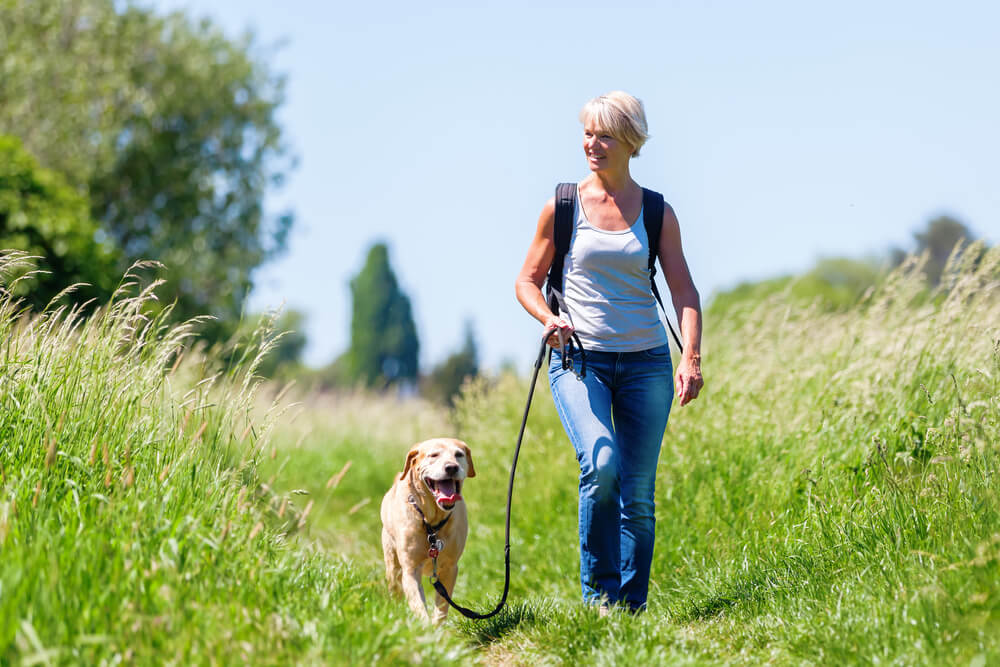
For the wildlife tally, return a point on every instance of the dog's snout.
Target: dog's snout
(451, 469)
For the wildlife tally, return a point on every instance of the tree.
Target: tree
(167, 124)
(939, 238)
(384, 345)
(41, 215)
(445, 380)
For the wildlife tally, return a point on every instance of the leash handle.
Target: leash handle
(438, 586)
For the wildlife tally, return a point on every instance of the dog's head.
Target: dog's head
(441, 465)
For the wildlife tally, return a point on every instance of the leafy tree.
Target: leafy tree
(384, 344)
(41, 215)
(167, 124)
(445, 380)
(939, 238)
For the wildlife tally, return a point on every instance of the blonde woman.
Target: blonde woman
(616, 414)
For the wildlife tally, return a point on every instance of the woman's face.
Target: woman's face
(603, 151)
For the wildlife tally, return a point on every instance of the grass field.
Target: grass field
(832, 498)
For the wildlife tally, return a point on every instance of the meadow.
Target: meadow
(831, 498)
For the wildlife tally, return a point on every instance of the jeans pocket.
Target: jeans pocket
(659, 352)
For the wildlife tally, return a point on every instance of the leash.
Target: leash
(436, 545)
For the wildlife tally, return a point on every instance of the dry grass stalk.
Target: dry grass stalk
(256, 529)
(106, 455)
(200, 432)
(335, 480)
(246, 432)
(128, 477)
(358, 506)
(284, 506)
(38, 492)
(183, 426)
(93, 452)
(177, 362)
(305, 513)
(107, 479)
(166, 471)
(50, 454)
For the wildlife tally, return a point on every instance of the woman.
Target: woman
(616, 415)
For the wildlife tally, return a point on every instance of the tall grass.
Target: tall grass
(831, 498)
(133, 523)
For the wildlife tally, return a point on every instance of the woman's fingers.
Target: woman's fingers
(561, 331)
(687, 387)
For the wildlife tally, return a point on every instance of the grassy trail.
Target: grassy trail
(831, 499)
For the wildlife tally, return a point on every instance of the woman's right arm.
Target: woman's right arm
(528, 287)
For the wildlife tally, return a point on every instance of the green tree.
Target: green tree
(939, 238)
(384, 344)
(445, 380)
(41, 215)
(167, 124)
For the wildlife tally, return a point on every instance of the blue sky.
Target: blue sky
(781, 132)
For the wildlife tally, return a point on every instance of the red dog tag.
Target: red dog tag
(432, 552)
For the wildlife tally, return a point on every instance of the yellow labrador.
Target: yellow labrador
(426, 501)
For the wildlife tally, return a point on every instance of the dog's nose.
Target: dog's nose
(451, 469)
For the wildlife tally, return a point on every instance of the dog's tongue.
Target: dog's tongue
(446, 492)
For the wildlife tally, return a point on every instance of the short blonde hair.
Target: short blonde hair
(621, 115)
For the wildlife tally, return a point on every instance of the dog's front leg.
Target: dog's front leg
(413, 591)
(447, 576)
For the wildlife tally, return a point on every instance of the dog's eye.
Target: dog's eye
(459, 455)
(433, 455)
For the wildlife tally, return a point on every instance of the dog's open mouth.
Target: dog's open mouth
(446, 492)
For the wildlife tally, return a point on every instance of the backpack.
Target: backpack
(652, 220)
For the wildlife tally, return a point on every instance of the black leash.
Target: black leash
(432, 539)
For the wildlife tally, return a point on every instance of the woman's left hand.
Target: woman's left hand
(688, 381)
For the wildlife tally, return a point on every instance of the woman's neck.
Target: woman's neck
(613, 183)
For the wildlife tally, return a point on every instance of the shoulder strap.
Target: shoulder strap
(562, 232)
(652, 219)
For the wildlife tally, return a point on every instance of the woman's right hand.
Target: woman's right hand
(560, 329)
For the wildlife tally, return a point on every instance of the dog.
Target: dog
(425, 505)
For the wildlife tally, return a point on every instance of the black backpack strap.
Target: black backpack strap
(563, 233)
(652, 219)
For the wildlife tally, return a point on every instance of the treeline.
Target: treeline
(384, 349)
(133, 136)
(127, 136)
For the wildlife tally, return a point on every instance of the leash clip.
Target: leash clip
(436, 545)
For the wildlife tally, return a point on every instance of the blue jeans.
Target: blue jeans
(615, 418)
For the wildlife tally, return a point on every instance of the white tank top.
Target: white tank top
(606, 287)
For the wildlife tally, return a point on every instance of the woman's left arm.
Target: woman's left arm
(688, 380)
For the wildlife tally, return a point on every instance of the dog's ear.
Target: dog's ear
(471, 471)
(411, 457)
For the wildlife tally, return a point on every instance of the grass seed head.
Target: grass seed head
(50, 454)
